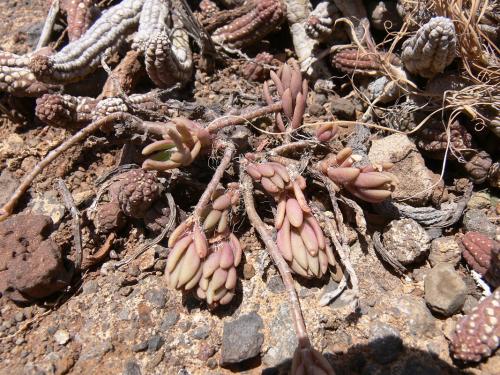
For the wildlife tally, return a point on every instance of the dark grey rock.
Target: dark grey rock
(445, 289)
(385, 342)
(242, 338)
(97, 351)
(282, 339)
(320, 98)
(160, 265)
(140, 347)
(157, 297)
(171, 317)
(344, 109)
(476, 221)
(201, 332)
(161, 252)
(133, 270)
(275, 284)
(50, 331)
(154, 343)
(132, 368)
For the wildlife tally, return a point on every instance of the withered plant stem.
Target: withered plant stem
(231, 120)
(214, 182)
(8, 207)
(77, 233)
(291, 147)
(48, 26)
(272, 248)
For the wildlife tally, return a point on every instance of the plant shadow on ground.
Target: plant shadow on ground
(385, 356)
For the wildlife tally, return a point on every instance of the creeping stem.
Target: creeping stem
(272, 248)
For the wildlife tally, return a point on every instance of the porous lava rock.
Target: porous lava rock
(407, 241)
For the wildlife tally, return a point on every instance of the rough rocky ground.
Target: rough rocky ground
(127, 322)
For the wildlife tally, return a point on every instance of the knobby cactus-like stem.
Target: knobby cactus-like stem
(284, 270)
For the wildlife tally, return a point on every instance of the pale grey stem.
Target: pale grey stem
(48, 26)
(77, 233)
(214, 182)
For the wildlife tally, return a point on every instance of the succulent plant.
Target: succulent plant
(273, 177)
(320, 23)
(292, 90)
(205, 254)
(433, 140)
(431, 49)
(351, 60)
(258, 70)
(218, 276)
(264, 17)
(326, 132)
(63, 110)
(478, 166)
(369, 183)
(494, 175)
(483, 255)
(181, 145)
(300, 239)
(135, 191)
(477, 335)
(109, 217)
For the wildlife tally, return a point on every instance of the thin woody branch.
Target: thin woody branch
(284, 270)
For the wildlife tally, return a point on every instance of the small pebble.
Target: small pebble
(132, 368)
(19, 317)
(170, 319)
(201, 333)
(275, 284)
(212, 363)
(140, 347)
(157, 297)
(248, 271)
(61, 336)
(125, 291)
(155, 343)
